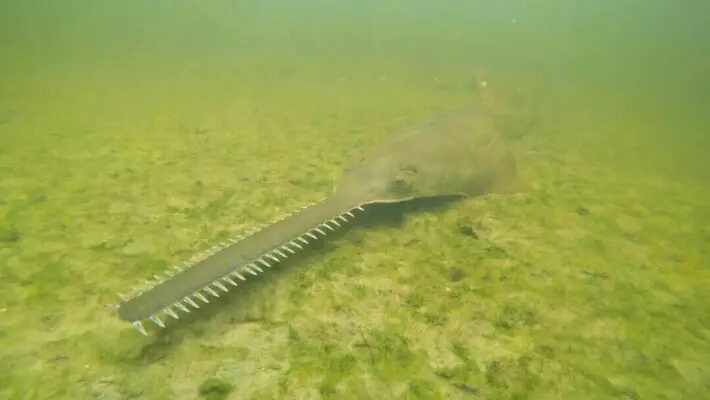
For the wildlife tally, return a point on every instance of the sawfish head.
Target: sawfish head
(460, 154)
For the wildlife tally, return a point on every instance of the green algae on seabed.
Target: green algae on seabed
(215, 389)
(543, 301)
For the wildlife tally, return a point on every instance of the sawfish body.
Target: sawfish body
(458, 153)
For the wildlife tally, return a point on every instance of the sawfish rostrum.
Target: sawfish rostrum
(458, 153)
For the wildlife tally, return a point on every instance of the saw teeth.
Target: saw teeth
(170, 312)
(157, 321)
(139, 325)
(191, 302)
(275, 255)
(221, 287)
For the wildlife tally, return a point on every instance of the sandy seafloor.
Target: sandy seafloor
(593, 285)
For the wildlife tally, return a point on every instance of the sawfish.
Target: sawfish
(459, 153)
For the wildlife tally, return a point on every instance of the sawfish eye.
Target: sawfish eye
(410, 169)
(401, 183)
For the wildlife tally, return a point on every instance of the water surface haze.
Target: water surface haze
(137, 134)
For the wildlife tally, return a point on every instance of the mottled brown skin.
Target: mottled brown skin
(458, 153)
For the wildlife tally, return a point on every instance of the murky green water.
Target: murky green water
(136, 134)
